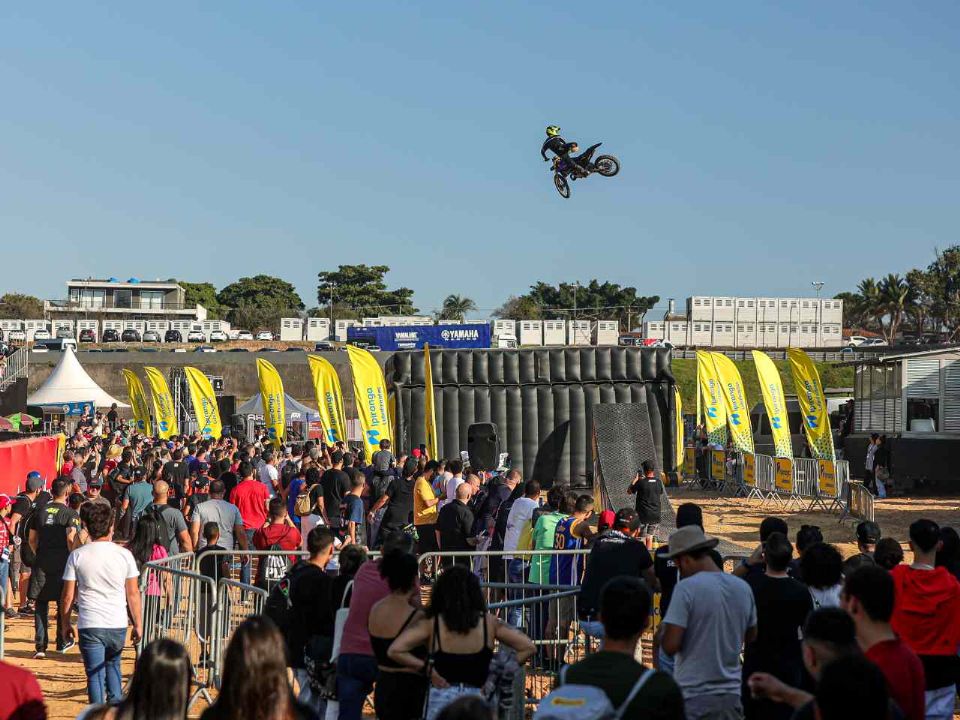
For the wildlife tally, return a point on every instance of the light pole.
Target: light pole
(818, 286)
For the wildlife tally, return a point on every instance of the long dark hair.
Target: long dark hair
(160, 687)
(254, 685)
(457, 600)
(147, 535)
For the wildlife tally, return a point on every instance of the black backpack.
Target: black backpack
(278, 606)
(156, 512)
(23, 530)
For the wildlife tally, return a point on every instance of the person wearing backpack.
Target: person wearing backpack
(26, 505)
(177, 537)
(278, 534)
(628, 689)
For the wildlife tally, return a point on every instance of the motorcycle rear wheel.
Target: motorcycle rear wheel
(607, 165)
(562, 187)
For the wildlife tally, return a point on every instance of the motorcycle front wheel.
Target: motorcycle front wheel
(607, 165)
(562, 187)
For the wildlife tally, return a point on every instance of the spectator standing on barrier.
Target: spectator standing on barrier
(616, 552)
(646, 486)
(225, 515)
(868, 535)
(279, 533)
(868, 597)
(711, 616)
(636, 691)
(518, 535)
(821, 570)
(459, 634)
(425, 502)
(102, 578)
(55, 534)
(399, 691)
(783, 605)
(177, 538)
(20, 695)
(754, 563)
(336, 485)
(927, 616)
(454, 526)
(254, 685)
(23, 515)
(251, 498)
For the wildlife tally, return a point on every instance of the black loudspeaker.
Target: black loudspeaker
(483, 444)
(227, 405)
(238, 422)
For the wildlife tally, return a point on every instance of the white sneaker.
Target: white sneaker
(39, 655)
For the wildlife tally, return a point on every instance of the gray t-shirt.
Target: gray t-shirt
(382, 460)
(716, 610)
(224, 514)
(175, 524)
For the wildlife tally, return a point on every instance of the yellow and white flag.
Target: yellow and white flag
(326, 385)
(774, 403)
(430, 408)
(714, 410)
(163, 411)
(370, 395)
(678, 428)
(813, 404)
(204, 403)
(735, 401)
(274, 404)
(138, 403)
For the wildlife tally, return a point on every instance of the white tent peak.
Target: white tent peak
(69, 383)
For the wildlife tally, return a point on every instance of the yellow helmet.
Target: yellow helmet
(553, 130)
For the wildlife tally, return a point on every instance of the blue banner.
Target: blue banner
(413, 337)
(72, 409)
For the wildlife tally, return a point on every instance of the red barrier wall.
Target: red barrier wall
(18, 457)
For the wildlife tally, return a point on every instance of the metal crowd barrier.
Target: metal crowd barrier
(235, 602)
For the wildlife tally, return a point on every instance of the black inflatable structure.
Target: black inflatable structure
(541, 401)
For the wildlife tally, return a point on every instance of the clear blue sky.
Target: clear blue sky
(764, 145)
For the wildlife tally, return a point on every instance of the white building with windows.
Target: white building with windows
(132, 299)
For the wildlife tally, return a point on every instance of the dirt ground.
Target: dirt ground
(734, 519)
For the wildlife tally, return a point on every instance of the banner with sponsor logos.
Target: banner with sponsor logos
(163, 410)
(813, 404)
(735, 402)
(204, 402)
(714, 410)
(370, 394)
(718, 464)
(775, 404)
(827, 478)
(326, 385)
(678, 428)
(783, 474)
(749, 470)
(273, 399)
(689, 462)
(138, 403)
(430, 410)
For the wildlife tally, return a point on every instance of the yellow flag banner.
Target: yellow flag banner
(326, 385)
(138, 403)
(204, 403)
(370, 393)
(714, 410)
(430, 408)
(774, 403)
(678, 428)
(272, 397)
(163, 410)
(735, 402)
(749, 470)
(813, 404)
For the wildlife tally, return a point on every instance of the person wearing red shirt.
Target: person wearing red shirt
(868, 597)
(278, 533)
(926, 615)
(20, 694)
(251, 499)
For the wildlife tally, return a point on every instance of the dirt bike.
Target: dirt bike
(581, 166)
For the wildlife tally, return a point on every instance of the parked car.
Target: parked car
(856, 340)
(295, 349)
(179, 350)
(40, 348)
(266, 349)
(874, 342)
(111, 335)
(196, 336)
(172, 336)
(17, 336)
(55, 345)
(41, 334)
(323, 347)
(218, 336)
(151, 336)
(87, 335)
(64, 333)
(130, 335)
(238, 350)
(244, 335)
(264, 335)
(204, 348)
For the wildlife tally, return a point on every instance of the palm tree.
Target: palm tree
(456, 307)
(872, 302)
(894, 296)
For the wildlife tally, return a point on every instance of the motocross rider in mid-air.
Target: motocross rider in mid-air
(561, 150)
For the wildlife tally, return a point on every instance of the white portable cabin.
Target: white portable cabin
(31, 326)
(746, 310)
(530, 332)
(746, 334)
(340, 326)
(651, 330)
(158, 326)
(318, 329)
(700, 308)
(113, 325)
(578, 332)
(63, 325)
(767, 334)
(678, 332)
(724, 335)
(554, 332)
(724, 310)
(831, 335)
(291, 329)
(701, 333)
(787, 335)
(89, 325)
(9, 324)
(831, 312)
(606, 332)
(210, 325)
(505, 327)
(139, 325)
(182, 326)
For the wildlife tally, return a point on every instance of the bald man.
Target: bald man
(455, 523)
(173, 521)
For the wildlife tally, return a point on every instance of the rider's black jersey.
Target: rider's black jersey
(557, 145)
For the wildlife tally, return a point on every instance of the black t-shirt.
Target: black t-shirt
(196, 499)
(400, 507)
(312, 611)
(336, 484)
(613, 554)
(454, 523)
(176, 471)
(229, 481)
(52, 523)
(648, 500)
(783, 605)
(210, 563)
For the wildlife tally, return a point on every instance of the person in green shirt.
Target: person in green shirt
(625, 604)
(139, 496)
(559, 506)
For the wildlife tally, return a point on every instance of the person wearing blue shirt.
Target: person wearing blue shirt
(352, 510)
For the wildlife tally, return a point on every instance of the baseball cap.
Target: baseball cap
(606, 520)
(868, 532)
(203, 467)
(5, 502)
(415, 452)
(34, 481)
(626, 519)
(95, 483)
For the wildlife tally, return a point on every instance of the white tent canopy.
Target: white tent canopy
(69, 383)
(294, 410)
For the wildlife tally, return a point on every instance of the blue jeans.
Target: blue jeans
(355, 677)
(4, 574)
(245, 568)
(516, 574)
(100, 649)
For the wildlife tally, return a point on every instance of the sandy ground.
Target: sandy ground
(734, 519)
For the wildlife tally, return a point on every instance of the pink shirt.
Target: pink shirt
(368, 589)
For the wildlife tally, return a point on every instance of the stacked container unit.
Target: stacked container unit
(831, 335)
(578, 332)
(606, 332)
(209, 326)
(652, 330)
(89, 325)
(9, 324)
(59, 325)
(318, 329)
(505, 327)
(291, 329)
(554, 332)
(340, 326)
(530, 333)
(31, 326)
(701, 333)
(677, 332)
(724, 335)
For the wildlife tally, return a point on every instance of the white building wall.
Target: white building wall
(700, 307)
(291, 329)
(31, 326)
(59, 324)
(10, 324)
(746, 335)
(318, 329)
(210, 325)
(701, 333)
(340, 328)
(723, 333)
(677, 332)
(606, 332)
(530, 332)
(139, 325)
(725, 309)
(832, 312)
(578, 332)
(89, 325)
(554, 332)
(181, 326)
(654, 330)
(746, 310)
(160, 326)
(505, 327)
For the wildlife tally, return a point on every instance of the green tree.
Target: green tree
(202, 293)
(515, 308)
(855, 314)
(944, 276)
(894, 299)
(592, 301)
(17, 306)
(259, 301)
(456, 307)
(361, 289)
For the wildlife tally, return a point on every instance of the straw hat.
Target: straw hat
(113, 452)
(689, 539)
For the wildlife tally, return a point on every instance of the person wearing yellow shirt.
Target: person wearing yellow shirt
(425, 501)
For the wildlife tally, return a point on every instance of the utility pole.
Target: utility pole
(818, 286)
(331, 307)
(576, 286)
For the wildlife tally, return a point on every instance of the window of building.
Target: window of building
(793, 328)
(122, 298)
(151, 299)
(783, 303)
(750, 328)
(749, 303)
(739, 328)
(739, 303)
